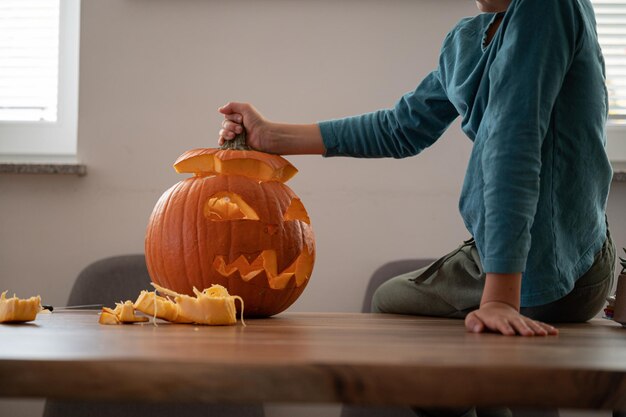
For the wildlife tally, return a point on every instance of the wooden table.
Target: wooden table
(314, 357)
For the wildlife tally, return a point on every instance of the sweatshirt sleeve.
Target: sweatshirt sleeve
(414, 123)
(537, 47)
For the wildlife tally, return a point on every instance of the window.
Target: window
(611, 21)
(38, 76)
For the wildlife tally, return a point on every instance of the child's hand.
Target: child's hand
(270, 137)
(503, 318)
(239, 115)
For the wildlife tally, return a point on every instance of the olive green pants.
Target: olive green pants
(453, 285)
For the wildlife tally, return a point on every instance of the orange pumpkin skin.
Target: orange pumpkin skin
(267, 262)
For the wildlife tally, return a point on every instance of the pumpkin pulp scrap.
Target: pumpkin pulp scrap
(123, 313)
(16, 310)
(160, 307)
(212, 306)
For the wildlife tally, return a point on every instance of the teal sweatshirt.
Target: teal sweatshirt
(534, 103)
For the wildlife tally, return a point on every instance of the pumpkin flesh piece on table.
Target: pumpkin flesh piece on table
(156, 306)
(124, 313)
(107, 316)
(213, 306)
(15, 310)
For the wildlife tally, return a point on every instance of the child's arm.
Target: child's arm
(499, 309)
(414, 123)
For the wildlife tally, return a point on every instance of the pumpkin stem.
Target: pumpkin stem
(239, 143)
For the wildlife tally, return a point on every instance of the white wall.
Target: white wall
(152, 74)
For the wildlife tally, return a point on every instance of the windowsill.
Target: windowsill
(67, 165)
(41, 165)
(619, 176)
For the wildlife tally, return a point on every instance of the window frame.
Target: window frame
(37, 138)
(616, 142)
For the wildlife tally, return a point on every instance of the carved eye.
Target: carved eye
(296, 211)
(228, 206)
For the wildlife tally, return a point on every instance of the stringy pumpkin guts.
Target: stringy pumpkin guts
(15, 310)
(212, 306)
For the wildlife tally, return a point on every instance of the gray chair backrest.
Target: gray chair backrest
(111, 280)
(388, 271)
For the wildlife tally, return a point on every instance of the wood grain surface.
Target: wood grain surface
(313, 357)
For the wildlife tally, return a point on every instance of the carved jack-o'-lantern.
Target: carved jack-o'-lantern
(234, 223)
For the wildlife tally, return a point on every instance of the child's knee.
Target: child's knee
(385, 298)
(377, 301)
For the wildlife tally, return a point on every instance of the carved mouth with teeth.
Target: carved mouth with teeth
(301, 268)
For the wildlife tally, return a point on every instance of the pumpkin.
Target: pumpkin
(234, 223)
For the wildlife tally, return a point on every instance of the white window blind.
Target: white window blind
(611, 21)
(39, 45)
(29, 60)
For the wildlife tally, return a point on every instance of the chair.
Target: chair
(108, 281)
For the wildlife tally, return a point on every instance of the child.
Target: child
(527, 79)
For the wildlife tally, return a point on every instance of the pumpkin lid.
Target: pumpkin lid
(248, 163)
